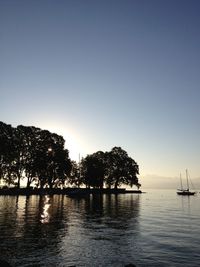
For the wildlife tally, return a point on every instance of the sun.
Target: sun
(73, 142)
(74, 147)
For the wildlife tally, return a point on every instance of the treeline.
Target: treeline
(39, 157)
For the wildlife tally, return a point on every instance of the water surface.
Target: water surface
(158, 228)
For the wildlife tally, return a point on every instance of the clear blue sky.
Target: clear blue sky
(106, 73)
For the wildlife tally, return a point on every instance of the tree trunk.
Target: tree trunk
(116, 185)
(28, 182)
(51, 184)
(18, 180)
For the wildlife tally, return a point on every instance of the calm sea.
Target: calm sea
(158, 228)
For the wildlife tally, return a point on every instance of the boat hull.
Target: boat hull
(186, 193)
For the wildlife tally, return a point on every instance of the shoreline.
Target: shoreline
(65, 191)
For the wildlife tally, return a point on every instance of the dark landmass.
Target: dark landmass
(65, 191)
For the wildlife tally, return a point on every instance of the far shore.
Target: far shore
(64, 191)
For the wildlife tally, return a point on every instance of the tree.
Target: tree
(40, 156)
(76, 177)
(32, 153)
(94, 169)
(121, 169)
(52, 160)
(25, 146)
(32, 136)
(7, 153)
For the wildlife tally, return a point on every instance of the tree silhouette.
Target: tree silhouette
(112, 168)
(51, 164)
(7, 151)
(94, 169)
(40, 157)
(121, 169)
(76, 178)
(33, 153)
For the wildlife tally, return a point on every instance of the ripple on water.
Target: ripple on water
(148, 230)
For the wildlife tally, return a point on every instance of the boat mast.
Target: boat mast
(79, 164)
(187, 179)
(181, 182)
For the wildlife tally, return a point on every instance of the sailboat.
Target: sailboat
(185, 192)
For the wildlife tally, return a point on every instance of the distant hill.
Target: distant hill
(160, 182)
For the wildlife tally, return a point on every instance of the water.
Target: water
(158, 228)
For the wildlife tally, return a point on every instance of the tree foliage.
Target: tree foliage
(34, 154)
(122, 169)
(39, 156)
(94, 169)
(112, 168)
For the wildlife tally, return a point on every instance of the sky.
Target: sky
(105, 73)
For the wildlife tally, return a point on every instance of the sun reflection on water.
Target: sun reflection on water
(45, 216)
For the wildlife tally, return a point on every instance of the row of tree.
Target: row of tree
(41, 158)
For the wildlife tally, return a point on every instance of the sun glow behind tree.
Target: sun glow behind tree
(73, 141)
